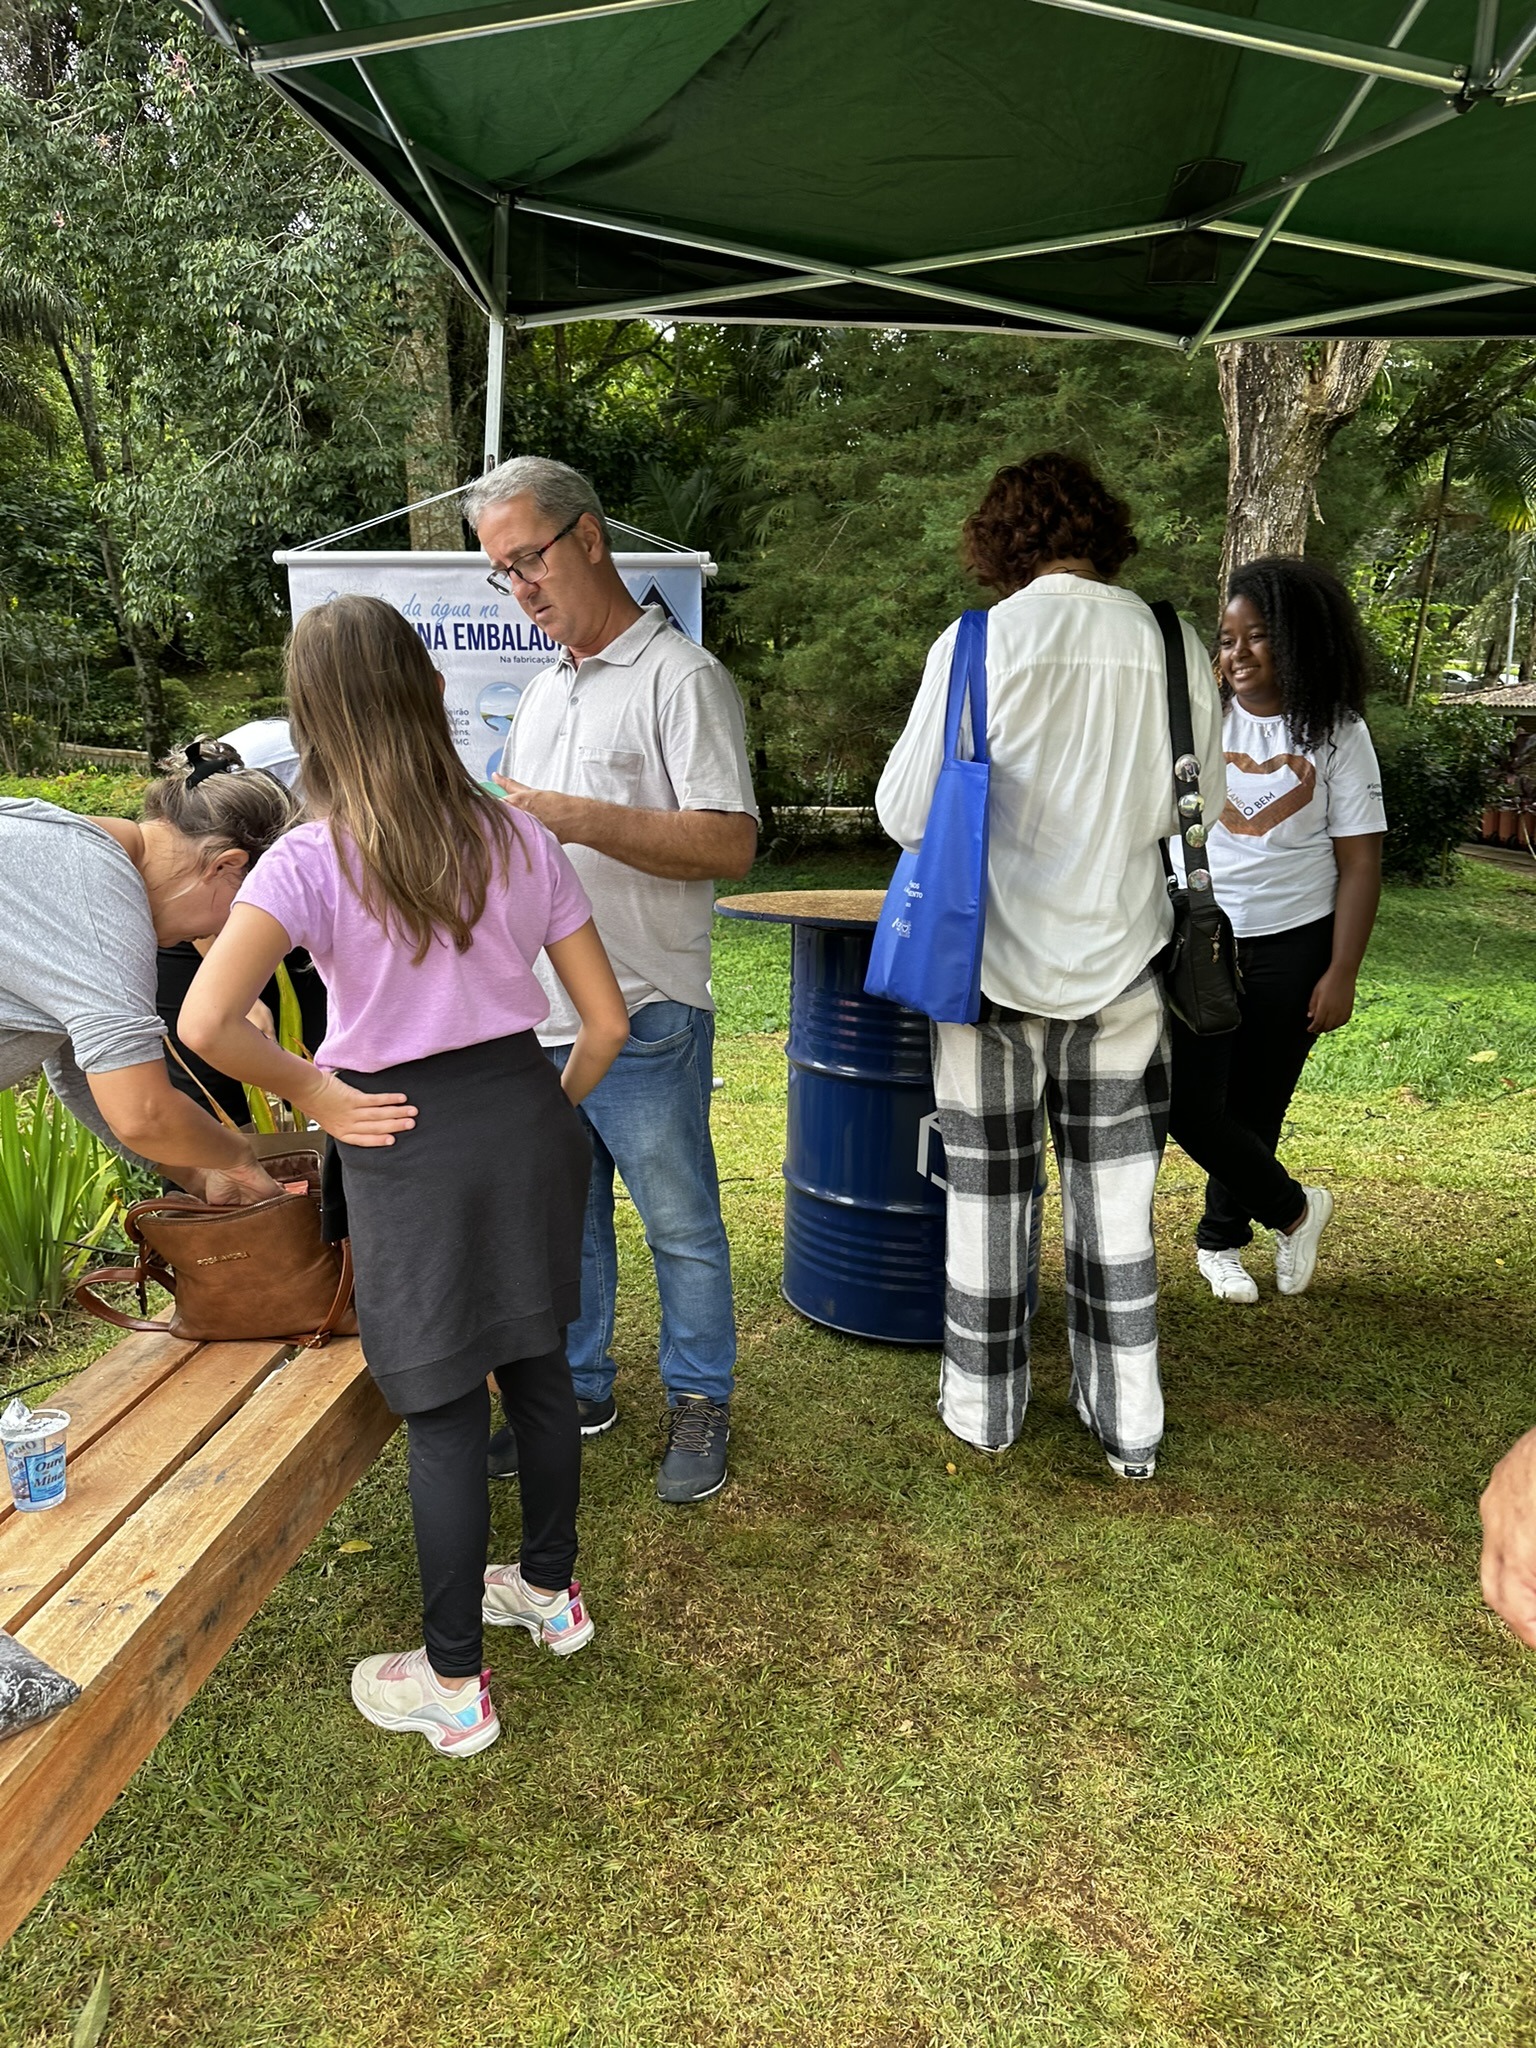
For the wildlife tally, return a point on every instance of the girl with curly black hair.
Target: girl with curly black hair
(1296, 862)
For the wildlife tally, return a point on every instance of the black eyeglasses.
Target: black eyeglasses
(530, 566)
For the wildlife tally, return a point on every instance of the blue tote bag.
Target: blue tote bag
(927, 947)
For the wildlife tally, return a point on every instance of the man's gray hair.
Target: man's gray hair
(561, 493)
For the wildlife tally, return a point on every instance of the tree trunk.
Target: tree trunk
(1426, 588)
(78, 371)
(1283, 402)
(431, 454)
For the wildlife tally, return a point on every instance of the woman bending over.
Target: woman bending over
(1296, 863)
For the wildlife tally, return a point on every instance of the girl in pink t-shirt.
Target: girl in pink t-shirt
(457, 1165)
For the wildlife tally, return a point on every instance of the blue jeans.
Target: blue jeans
(648, 1118)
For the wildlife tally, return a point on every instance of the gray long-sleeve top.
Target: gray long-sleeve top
(77, 956)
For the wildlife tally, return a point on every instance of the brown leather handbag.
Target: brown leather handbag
(259, 1271)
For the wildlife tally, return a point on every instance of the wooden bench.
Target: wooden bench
(197, 1474)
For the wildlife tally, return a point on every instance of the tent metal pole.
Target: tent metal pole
(1271, 40)
(1326, 245)
(1516, 55)
(423, 177)
(685, 306)
(680, 301)
(1387, 137)
(1480, 70)
(346, 45)
(1292, 200)
(1094, 238)
(496, 342)
(838, 272)
(1334, 316)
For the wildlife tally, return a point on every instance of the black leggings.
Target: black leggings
(1230, 1094)
(450, 1499)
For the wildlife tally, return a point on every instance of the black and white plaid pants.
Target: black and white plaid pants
(1101, 1084)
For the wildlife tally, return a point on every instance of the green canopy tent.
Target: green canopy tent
(1151, 172)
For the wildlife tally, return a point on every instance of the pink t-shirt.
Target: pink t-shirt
(384, 1009)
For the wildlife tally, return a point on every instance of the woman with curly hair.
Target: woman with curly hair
(1296, 863)
(1072, 1033)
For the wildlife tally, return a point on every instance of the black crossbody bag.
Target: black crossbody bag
(1200, 971)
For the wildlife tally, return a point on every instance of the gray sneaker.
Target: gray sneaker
(693, 1466)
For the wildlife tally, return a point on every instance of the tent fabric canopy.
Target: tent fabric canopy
(1132, 168)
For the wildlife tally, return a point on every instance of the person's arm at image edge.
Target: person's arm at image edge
(215, 1023)
(587, 976)
(1354, 915)
(1508, 1509)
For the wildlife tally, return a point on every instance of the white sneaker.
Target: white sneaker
(401, 1693)
(1230, 1279)
(561, 1624)
(1296, 1254)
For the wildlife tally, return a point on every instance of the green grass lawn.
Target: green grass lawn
(893, 1745)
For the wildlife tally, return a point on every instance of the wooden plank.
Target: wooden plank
(123, 1467)
(144, 1622)
(109, 1389)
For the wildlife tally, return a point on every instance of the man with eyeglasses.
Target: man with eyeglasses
(631, 749)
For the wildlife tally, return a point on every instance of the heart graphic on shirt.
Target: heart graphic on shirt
(1283, 807)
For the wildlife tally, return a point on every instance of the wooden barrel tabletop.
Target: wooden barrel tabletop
(837, 909)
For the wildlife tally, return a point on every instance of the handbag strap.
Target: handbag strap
(197, 1081)
(968, 679)
(1186, 764)
(139, 1276)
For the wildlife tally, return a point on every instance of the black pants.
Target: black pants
(450, 1499)
(1230, 1094)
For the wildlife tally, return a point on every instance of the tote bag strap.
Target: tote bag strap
(968, 679)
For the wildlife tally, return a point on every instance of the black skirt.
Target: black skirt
(466, 1232)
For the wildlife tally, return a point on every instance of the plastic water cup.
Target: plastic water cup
(34, 1459)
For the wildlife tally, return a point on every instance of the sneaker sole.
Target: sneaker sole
(688, 1500)
(404, 1724)
(600, 1428)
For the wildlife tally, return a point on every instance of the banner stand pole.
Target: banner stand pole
(495, 376)
(496, 345)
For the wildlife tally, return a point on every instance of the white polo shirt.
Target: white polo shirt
(1082, 788)
(653, 722)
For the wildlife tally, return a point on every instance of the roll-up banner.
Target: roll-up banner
(479, 638)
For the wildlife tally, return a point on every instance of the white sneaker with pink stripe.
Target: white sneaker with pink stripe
(402, 1693)
(561, 1623)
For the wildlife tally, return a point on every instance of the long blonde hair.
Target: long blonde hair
(377, 761)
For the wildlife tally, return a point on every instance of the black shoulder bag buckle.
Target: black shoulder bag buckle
(1200, 971)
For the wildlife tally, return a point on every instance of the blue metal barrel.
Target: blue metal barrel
(863, 1224)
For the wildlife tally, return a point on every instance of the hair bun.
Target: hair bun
(199, 759)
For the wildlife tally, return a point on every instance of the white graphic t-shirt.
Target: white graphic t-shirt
(1271, 852)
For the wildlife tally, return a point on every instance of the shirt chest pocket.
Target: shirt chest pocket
(609, 775)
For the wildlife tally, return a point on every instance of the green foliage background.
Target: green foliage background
(206, 327)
